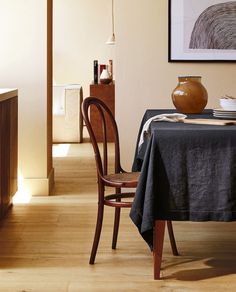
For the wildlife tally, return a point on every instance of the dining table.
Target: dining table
(187, 173)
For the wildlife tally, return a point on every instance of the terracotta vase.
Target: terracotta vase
(190, 96)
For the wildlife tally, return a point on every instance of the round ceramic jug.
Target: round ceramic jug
(190, 96)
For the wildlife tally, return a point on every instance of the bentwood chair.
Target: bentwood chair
(118, 179)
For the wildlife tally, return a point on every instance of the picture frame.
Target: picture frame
(191, 37)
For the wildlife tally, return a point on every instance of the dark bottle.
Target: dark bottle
(95, 72)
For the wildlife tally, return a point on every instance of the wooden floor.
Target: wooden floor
(45, 244)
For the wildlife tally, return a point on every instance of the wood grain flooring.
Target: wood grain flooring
(45, 245)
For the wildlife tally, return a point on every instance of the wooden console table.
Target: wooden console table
(105, 92)
(8, 147)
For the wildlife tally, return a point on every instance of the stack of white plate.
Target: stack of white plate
(224, 113)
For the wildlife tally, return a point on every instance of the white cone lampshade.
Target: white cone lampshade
(111, 40)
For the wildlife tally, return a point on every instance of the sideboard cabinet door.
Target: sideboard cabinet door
(8, 153)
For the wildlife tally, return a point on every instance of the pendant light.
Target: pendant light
(112, 40)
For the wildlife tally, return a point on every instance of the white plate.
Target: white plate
(224, 110)
(225, 116)
(226, 113)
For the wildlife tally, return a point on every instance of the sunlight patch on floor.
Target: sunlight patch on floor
(60, 150)
(23, 195)
(21, 198)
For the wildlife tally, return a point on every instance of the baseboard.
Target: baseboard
(40, 186)
(51, 181)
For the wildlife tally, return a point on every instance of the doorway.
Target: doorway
(77, 34)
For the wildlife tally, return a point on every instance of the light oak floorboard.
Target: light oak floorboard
(45, 245)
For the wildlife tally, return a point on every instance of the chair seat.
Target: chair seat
(124, 178)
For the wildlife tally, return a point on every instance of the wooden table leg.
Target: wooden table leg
(158, 241)
(172, 238)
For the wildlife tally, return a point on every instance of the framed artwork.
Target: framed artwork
(202, 31)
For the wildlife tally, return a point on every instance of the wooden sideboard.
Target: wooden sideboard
(8, 147)
(105, 92)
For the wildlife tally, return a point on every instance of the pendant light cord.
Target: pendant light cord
(113, 26)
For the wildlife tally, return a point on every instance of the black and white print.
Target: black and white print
(202, 30)
(215, 28)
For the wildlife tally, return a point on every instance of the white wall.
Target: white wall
(144, 78)
(81, 28)
(23, 66)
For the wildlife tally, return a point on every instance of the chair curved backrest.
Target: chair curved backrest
(106, 119)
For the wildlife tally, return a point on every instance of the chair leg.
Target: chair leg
(97, 233)
(116, 227)
(116, 222)
(172, 238)
(158, 241)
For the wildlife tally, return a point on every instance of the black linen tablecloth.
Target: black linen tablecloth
(188, 172)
